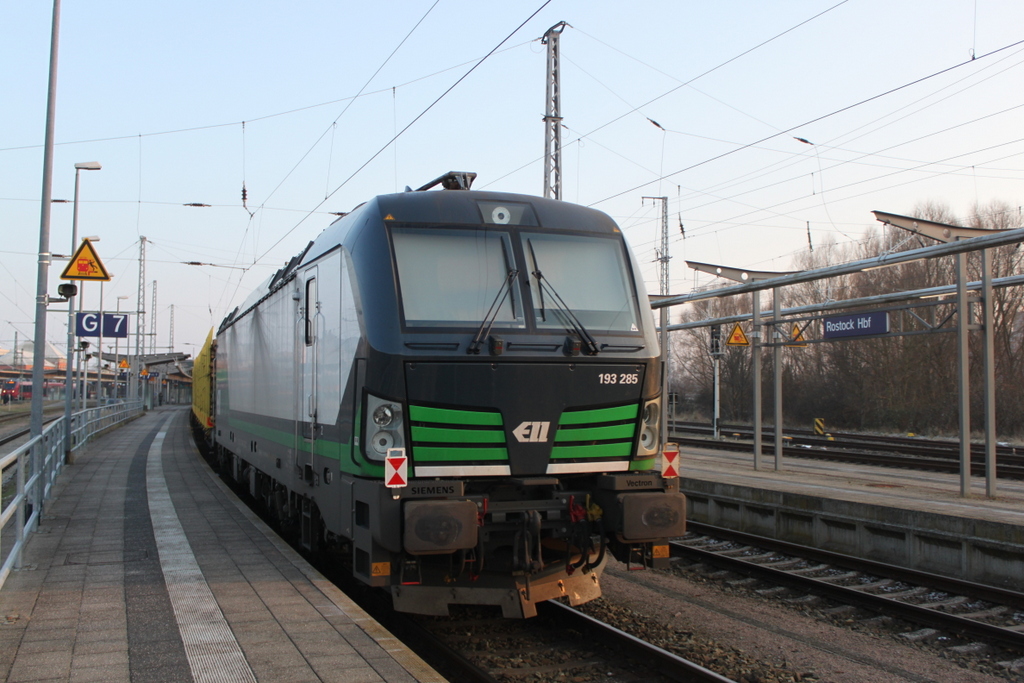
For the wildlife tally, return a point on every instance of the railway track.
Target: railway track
(904, 452)
(22, 410)
(559, 644)
(13, 436)
(970, 618)
(478, 645)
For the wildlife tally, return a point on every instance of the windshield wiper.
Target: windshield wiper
(492, 312)
(577, 326)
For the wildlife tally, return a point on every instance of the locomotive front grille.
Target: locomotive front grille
(596, 433)
(465, 436)
(452, 435)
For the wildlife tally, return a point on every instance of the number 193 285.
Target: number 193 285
(618, 378)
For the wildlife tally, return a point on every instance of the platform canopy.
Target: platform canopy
(22, 358)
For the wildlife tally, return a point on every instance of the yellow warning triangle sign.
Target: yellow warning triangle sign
(797, 338)
(737, 338)
(123, 363)
(85, 265)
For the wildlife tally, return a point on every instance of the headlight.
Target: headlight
(649, 439)
(382, 441)
(650, 429)
(383, 427)
(383, 415)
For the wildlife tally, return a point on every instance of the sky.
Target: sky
(770, 128)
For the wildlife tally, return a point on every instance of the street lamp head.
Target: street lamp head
(92, 238)
(88, 166)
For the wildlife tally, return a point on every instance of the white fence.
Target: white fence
(30, 470)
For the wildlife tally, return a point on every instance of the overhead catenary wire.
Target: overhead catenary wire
(245, 193)
(681, 85)
(674, 78)
(809, 122)
(893, 173)
(733, 223)
(919, 165)
(287, 175)
(736, 223)
(773, 260)
(265, 117)
(310, 212)
(862, 155)
(892, 113)
(764, 171)
(353, 99)
(407, 127)
(721, 65)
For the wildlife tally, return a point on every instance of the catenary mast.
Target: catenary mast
(553, 116)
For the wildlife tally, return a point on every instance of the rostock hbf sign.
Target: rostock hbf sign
(856, 325)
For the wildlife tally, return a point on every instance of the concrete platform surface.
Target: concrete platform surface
(932, 492)
(147, 568)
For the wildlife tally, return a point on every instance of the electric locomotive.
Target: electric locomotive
(461, 391)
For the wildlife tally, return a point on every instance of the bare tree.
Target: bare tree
(905, 383)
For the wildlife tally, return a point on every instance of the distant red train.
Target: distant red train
(21, 389)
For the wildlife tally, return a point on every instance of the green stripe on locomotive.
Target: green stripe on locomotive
(333, 450)
(453, 435)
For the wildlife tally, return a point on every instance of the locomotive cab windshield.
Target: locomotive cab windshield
(450, 277)
(526, 281)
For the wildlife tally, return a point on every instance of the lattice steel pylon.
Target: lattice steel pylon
(663, 255)
(553, 116)
(152, 324)
(140, 321)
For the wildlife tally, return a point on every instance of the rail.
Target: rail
(917, 597)
(30, 471)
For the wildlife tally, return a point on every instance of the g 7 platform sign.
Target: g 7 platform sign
(856, 325)
(115, 325)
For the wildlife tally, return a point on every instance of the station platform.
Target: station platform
(147, 568)
(912, 518)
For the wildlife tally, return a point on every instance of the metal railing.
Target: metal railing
(30, 471)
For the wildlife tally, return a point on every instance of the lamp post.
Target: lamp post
(43, 270)
(82, 166)
(117, 352)
(83, 360)
(744, 276)
(99, 354)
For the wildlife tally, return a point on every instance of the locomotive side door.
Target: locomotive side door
(310, 357)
